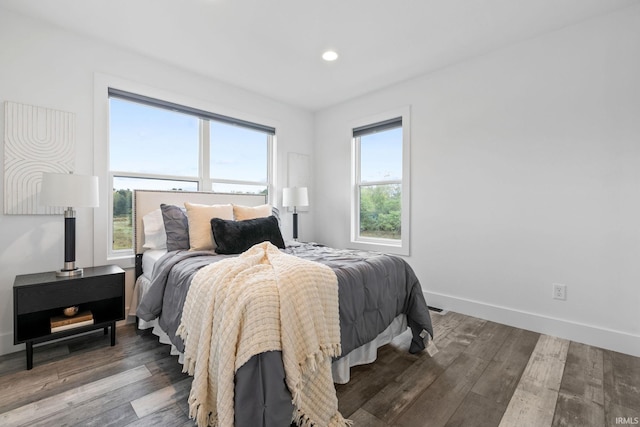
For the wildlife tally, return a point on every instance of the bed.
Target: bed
(379, 298)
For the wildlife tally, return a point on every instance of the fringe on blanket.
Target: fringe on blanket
(301, 420)
(313, 360)
(188, 364)
(311, 364)
(197, 411)
(202, 418)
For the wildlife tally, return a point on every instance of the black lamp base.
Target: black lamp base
(69, 269)
(295, 225)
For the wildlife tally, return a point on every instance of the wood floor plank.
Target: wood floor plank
(367, 380)
(621, 415)
(581, 397)
(449, 323)
(435, 405)
(476, 410)
(486, 403)
(116, 417)
(584, 373)
(489, 340)
(626, 377)
(534, 401)
(24, 415)
(106, 416)
(500, 379)
(572, 411)
(15, 387)
(621, 387)
(363, 418)
(464, 333)
(171, 415)
(398, 394)
(159, 399)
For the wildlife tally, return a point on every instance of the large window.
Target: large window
(154, 144)
(380, 216)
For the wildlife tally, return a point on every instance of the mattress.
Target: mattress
(149, 258)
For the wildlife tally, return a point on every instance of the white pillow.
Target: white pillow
(155, 236)
(199, 217)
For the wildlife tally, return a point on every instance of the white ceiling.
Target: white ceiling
(273, 47)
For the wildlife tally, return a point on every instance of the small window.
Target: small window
(380, 217)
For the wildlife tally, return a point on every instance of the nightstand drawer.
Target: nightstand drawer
(38, 298)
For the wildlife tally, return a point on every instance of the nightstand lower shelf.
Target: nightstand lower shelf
(69, 332)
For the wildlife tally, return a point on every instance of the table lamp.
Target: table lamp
(295, 197)
(69, 191)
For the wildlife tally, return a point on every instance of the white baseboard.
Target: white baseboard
(609, 339)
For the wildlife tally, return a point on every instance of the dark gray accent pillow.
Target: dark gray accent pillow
(275, 212)
(176, 226)
(235, 237)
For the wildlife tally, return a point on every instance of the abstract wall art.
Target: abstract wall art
(36, 140)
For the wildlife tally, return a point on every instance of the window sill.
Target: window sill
(123, 261)
(388, 248)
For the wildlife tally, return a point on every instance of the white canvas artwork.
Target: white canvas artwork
(298, 170)
(298, 173)
(36, 140)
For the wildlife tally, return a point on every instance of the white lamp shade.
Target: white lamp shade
(69, 190)
(295, 196)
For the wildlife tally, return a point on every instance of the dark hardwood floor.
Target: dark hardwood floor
(483, 374)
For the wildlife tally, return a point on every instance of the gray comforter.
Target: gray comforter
(373, 289)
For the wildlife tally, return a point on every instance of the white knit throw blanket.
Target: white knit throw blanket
(262, 300)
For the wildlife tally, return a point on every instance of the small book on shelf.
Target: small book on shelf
(61, 323)
(71, 326)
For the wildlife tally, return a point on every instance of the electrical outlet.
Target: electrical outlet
(559, 291)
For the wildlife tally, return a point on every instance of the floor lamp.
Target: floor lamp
(295, 197)
(69, 191)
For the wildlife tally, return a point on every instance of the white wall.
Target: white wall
(49, 67)
(525, 172)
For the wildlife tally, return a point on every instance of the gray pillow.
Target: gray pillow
(176, 226)
(275, 212)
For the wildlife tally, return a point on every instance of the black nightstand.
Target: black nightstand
(38, 297)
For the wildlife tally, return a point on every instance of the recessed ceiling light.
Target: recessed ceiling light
(329, 55)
